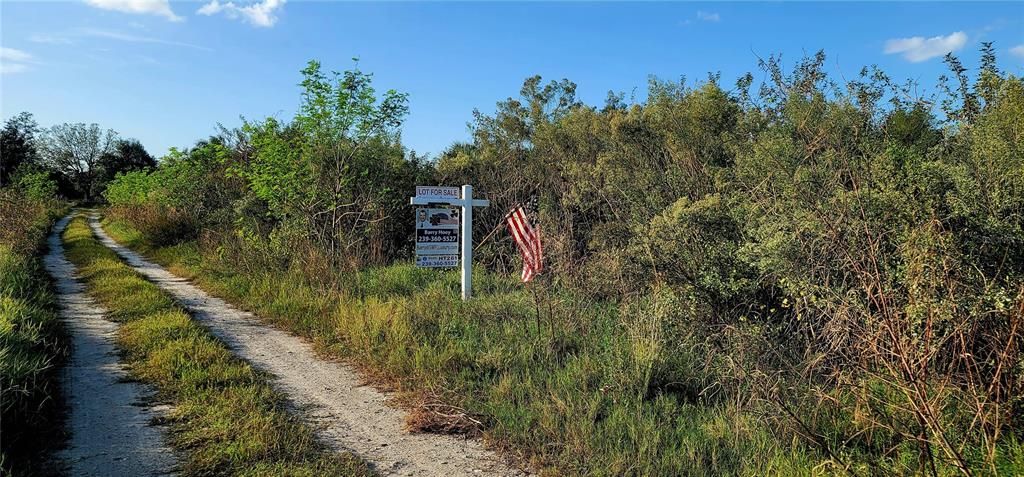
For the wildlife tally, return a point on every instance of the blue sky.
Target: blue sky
(167, 73)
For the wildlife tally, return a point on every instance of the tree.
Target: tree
(128, 155)
(328, 170)
(74, 150)
(17, 145)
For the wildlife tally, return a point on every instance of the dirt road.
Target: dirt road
(110, 425)
(350, 416)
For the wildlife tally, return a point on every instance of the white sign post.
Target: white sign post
(426, 196)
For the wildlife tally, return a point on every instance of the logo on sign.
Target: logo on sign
(437, 218)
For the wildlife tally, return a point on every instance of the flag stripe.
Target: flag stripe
(524, 238)
(526, 225)
(527, 239)
(528, 235)
(521, 242)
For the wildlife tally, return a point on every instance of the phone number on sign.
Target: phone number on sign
(435, 238)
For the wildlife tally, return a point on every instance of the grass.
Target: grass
(32, 342)
(226, 418)
(32, 348)
(561, 383)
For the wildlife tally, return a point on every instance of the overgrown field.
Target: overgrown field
(32, 344)
(226, 418)
(565, 386)
(801, 275)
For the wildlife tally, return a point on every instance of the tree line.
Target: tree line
(73, 160)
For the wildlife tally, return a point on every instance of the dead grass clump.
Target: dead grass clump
(432, 416)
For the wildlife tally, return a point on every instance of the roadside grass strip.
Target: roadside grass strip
(225, 418)
(33, 342)
(32, 347)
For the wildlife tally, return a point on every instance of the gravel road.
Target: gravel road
(110, 424)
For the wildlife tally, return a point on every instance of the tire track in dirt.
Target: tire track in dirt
(110, 425)
(348, 415)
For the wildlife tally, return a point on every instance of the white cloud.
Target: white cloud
(74, 37)
(149, 60)
(13, 61)
(702, 16)
(12, 68)
(10, 54)
(145, 7)
(1018, 51)
(114, 35)
(917, 49)
(261, 14)
(708, 16)
(50, 39)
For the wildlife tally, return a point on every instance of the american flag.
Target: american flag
(527, 238)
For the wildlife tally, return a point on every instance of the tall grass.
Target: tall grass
(32, 344)
(558, 381)
(31, 350)
(226, 417)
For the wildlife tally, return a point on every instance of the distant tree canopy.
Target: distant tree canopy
(17, 145)
(74, 151)
(127, 155)
(73, 160)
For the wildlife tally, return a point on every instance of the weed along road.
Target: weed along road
(111, 430)
(349, 415)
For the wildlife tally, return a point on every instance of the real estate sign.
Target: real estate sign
(437, 237)
(444, 229)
